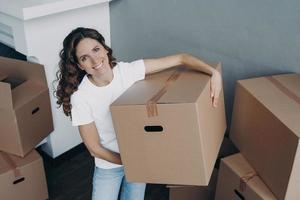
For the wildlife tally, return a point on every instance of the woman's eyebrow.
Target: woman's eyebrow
(82, 56)
(91, 49)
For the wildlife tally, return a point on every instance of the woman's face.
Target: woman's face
(92, 57)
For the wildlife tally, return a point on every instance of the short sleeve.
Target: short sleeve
(81, 111)
(133, 71)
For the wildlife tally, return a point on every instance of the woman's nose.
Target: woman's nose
(94, 59)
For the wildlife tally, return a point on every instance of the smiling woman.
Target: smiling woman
(70, 72)
(89, 80)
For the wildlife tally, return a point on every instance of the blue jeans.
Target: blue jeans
(108, 183)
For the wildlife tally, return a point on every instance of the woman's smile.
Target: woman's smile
(98, 66)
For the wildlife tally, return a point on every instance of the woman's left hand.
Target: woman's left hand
(215, 87)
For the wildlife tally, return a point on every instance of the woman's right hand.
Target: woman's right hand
(90, 137)
(115, 157)
(215, 87)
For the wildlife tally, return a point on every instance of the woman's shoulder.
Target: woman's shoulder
(77, 96)
(125, 66)
(81, 92)
(134, 62)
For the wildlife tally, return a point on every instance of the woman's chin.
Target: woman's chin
(103, 71)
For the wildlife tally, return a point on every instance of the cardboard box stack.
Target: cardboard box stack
(169, 133)
(266, 129)
(25, 120)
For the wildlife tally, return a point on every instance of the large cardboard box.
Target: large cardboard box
(167, 130)
(266, 129)
(195, 192)
(237, 180)
(22, 178)
(25, 112)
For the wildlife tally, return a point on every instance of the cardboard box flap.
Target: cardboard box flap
(13, 81)
(239, 164)
(2, 76)
(26, 70)
(5, 97)
(280, 94)
(25, 92)
(176, 85)
(17, 161)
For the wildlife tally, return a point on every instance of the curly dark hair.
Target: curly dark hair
(69, 75)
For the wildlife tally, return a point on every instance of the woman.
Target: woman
(90, 79)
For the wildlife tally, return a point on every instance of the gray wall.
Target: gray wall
(251, 38)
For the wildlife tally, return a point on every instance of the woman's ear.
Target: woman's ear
(80, 67)
(105, 49)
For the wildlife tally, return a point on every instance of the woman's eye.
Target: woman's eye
(97, 49)
(83, 59)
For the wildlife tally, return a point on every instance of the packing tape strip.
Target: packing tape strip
(152, 102)
(244, 179)
(284, 89)
(247, 177)
(12, 164)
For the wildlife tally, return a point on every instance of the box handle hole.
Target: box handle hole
(239, 194)
(35, 110)
(153, 128)
(19, 180)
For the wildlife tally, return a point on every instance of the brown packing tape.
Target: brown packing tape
(247, 177)
(12, 165)
(151, 109)
(152, 102)
(284, 89)
(244, 179)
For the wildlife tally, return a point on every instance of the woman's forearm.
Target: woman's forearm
(90, 137)
(107, 155)
(196, 64)
(159, 64)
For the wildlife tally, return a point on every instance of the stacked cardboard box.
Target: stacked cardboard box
(169, 133)
(22, 178)
(266, 129)
(238, 180)
(25, 120)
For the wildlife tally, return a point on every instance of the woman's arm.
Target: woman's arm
(159, 64)
(91, 140)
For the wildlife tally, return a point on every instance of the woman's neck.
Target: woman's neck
(102, 80)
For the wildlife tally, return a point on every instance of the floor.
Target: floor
(69, 177)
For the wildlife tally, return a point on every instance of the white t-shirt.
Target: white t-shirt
(91, 103)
